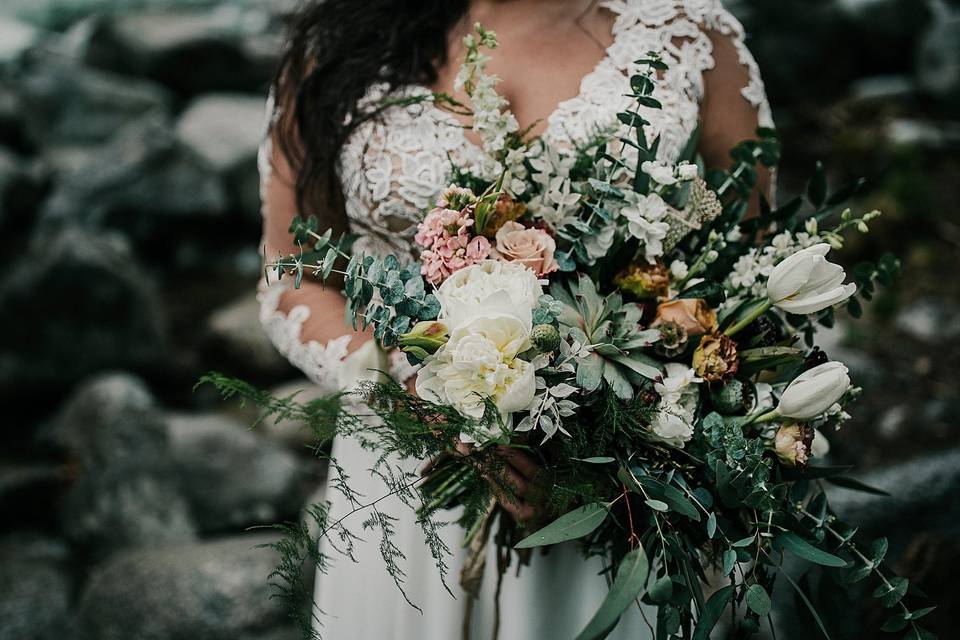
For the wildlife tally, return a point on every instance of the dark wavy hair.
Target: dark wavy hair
(337, 49)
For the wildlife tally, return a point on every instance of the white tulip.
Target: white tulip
(807, 282)
(814, 391)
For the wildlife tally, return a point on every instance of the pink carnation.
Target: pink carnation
(448, 246)
(451, 254)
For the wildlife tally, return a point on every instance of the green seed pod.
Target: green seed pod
(545, 338)
(732, 398)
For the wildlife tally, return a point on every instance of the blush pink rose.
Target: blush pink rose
(534, 248)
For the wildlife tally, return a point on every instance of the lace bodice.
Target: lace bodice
(393, 167)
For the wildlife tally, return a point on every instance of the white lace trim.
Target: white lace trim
(321, 363)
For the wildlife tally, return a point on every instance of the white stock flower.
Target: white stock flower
(807, 282)
(489, 287)
(480, 362)
(673, 423)
(660, 171)
(814, 391)
(687, 171)
(644, 215)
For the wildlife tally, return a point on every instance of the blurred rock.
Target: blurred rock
(64, 103)
(34, 588)
(144, 182)
(190, 51)
(15, 39)
(212, 590)
(225, 130)
(13, 128)
(73, 304)
(924, 491)
(925, 134)
(294, 433)
(938, 56)
(27, 489)
(21, 189)
(881, 88)
(126, 493)
(237, 341)
(930, 320)
(231, 476)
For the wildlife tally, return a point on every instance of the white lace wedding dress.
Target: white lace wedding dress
(392, 170)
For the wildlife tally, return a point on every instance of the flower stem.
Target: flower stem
(755, 313)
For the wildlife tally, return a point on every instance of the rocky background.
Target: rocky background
(129, 227)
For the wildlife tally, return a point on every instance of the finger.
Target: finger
(522, 462)
(463, 448)
(507, 483)
(526, 515)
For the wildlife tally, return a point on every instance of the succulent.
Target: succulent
(608, 328)
(673, 340)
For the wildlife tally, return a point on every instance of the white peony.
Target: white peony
(673, 423)
(479, 362)
(489, 287)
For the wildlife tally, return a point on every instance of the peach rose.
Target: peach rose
(693, 314)
(534, 248)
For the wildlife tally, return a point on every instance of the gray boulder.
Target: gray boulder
(923, 494)
(231, 476)
(16, 38)
(21, 188)
(190, 51)
(144, 182)
(294, 433)
(34, 588)
(115, 317)
(126, 493)
(225, 130)
(64, 103)
(237, 342)
(212, 590)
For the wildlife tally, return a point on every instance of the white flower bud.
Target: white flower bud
(687, 171)
(814, 391)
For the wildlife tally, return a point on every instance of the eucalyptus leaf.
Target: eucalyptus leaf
(597, 460)
(661, 591)
(729, 561)
(711, 612)
(801, 548)
(627, 587)
(758, 600)
(570, 526)
(657, 505)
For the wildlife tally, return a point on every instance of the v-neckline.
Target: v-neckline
(549, 118)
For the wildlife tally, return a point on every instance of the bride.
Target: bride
(333, 149)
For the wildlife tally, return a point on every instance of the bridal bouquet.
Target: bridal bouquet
(621, 320)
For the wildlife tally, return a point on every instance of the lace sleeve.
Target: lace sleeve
(722, 22)
(330, 365)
